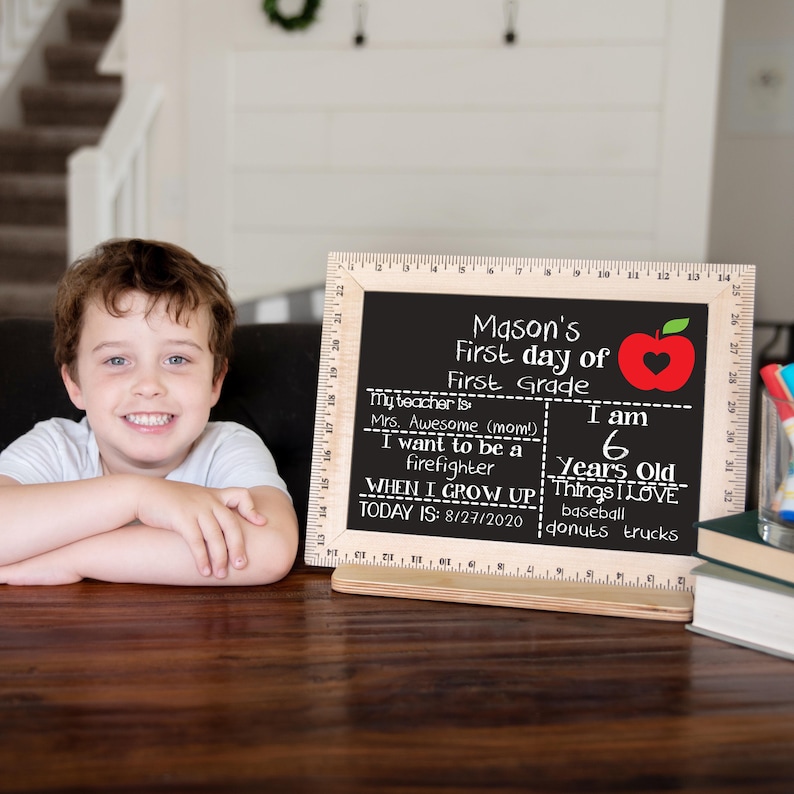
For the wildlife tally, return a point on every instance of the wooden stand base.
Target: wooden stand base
(506, 591)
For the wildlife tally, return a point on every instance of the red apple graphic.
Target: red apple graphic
(658, 362)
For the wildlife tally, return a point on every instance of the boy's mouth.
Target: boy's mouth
(149, 420)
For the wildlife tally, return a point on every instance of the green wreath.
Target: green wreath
(297, 22)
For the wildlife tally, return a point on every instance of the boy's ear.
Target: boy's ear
(73, 388)
(217, 384)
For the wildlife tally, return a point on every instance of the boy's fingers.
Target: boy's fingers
(198, 549)
(215, 540)
(240, 499)
(234, 541)
(254, 517)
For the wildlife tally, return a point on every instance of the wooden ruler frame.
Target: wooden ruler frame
(634, 584)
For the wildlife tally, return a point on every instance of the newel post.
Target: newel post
(88, 200)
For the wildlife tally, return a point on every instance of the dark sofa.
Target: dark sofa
(271, 388)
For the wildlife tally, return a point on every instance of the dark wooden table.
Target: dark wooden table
(117, 688)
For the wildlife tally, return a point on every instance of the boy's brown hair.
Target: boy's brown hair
(162, 271)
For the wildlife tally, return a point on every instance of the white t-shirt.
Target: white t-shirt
(226, 454)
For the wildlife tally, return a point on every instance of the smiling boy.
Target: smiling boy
(144, 488)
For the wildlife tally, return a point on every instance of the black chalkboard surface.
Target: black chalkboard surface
(539, 421)
(512, 419)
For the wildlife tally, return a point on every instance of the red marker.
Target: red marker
(777, 389)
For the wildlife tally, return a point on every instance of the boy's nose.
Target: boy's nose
(149, 384)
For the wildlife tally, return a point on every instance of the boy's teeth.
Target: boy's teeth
(149, 419)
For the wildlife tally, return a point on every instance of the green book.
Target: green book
(734, 540)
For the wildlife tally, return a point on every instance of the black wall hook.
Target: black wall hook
(511, 13)
(360, 17)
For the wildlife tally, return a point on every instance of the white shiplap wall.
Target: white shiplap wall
(592, 136)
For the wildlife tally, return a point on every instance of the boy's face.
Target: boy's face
(145, 384)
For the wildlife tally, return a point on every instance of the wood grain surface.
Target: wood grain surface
(294, 687)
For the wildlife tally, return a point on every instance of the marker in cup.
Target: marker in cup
(777, 386)
(786, 374)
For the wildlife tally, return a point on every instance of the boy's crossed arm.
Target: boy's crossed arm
(57, 533)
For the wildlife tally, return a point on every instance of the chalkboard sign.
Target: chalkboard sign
(529, 418)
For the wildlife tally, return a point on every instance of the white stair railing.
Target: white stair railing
(20, 23)
(108, 184)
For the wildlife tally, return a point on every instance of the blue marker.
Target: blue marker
(787, 374)
(779, 381)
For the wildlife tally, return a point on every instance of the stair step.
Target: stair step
(76, 62)
(95, 22)
(42, 149)
(32, 254)
(26, 300)
(70, 111)
(33, 199)
(70, 104)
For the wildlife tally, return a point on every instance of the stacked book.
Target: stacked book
(744, 591)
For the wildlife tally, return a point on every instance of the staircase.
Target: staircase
(69, 111)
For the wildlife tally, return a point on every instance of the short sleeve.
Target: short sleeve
(56, 450)
(229, 455)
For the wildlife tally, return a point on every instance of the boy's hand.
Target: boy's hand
(208, 519)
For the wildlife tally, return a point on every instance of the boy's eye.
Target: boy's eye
(176, 359)
(117, 361)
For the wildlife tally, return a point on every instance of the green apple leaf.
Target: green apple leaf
(675, 326)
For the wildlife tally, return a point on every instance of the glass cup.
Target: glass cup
(776, 472)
